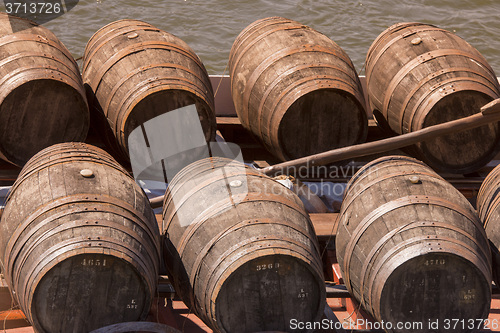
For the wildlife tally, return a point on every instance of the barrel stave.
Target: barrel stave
(284, 79)
(138, 72)
(403, 228)
(420, 75)
(42, 86)
(220, 244)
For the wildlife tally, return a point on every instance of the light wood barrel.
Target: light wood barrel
(42, 99)
(411, 247)
(295, 89)
(240, 249)
(136, 72)
(419, 75)
(79, 243)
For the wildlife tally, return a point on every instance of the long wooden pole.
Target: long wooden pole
(490, 113)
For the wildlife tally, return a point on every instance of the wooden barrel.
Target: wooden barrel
(240, 249)
(79, 243)
(419, 75)
(42, 99)
(295, 89)
(412, 248)
(488, 207)
(137, 72)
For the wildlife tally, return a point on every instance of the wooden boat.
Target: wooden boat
(341, 310)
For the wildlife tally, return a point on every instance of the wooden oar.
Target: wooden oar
(490, 113)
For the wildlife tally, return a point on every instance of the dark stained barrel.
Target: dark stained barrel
(295, 89)
(79, 243)
(137, 72)
(419, 75)
(42, 99)
(411, 247)
(240, 249)
(488, 207)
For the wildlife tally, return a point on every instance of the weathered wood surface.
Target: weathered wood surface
(295, 89)
(42, 99)
(419, 75)
(411, 247)
(135, 72)
(80, 249)
(488, 207)
(240, 248)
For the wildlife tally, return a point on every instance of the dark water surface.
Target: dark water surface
(210, 27)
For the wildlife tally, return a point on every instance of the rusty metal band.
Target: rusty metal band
(149, 283)
(215, 286)
(97, 45)
(199, 188)
(207, 165)
(142, 69)
(149, 87)
(71, 199)
(146, 88)
(96, 80)
(417, 224)
(418, 118)
(21, 55)
(148, 261)
(223, 205)
(270, 87)
(67, 160)
(386, 34)
(383, 160)
(108, 28)
(63, 150)
(107, 209)
(286, 98)
(13, 38)
(371, 64)
(489, 190)
(426, 80)
(243, 224)
(455, 248)
(150, 246)
(71, 248)
(430, 98)
(231, 263)
(260, 37)
(253, 30)
(492, 209)
(36, 71)
(422, 83)
(278, 56)
(396, 204)
(367, 186)
(416, 62)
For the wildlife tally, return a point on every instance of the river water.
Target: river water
(210, 27)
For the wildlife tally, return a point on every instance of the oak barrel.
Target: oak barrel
(411, 248)
(240, 248)
(419, 75)
(136, 72)
(488, 208)
(295, 89)
(42, 98)
(79, 242)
